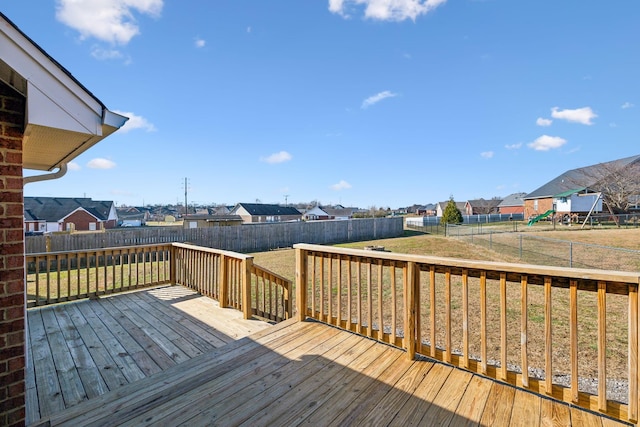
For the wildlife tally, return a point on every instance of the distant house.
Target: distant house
(132, 216)
(441, 206)
(220, 210)
(323, 213)
(261, 213)
(572, 192)
(512, 204)
(430, 209)
(340, 213)
(316, 214)
(207, 221)
(68, 214)
(481, 207)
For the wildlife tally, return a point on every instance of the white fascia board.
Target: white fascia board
(43, 110)
(49, 84)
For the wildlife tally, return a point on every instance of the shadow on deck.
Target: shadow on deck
(288, 374)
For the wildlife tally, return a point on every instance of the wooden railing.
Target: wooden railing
(538, 328)
(247, 287)
(228, 277)
(55, 277)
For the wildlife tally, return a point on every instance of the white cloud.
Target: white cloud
(627, 105)
(543, 122)
(107, 20)
(135, 122)
(342, 185)
(101, 164)
(486, 154)
(513, 146)
(280, 157)
(200, 42)
(385, 10)
(579, 115)
(546, 143)
(105, 54)
(377, 98)
(73, 166)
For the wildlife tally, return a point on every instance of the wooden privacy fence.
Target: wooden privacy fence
(245, 238)
(543, 329)
(229, 277)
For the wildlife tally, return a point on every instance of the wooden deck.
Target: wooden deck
(298, 373)
(81, 350)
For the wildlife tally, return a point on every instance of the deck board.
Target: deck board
(498, 407)
(526, 409)
(81, 350)
(292, 373)
(70, 383)
(126, 337)
(554, 414)
(242, 383)
(411, 412)
(315, 392)
(92, 381)
(473, 402)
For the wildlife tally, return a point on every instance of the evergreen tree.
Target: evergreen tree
(451, 214)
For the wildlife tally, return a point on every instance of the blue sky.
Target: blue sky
(361, 102)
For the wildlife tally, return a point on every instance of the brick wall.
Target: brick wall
(81, 221)
(12, 314)
(543, 205)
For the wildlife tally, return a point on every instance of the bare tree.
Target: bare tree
(619, 183)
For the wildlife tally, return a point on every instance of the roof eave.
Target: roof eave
(63, 119)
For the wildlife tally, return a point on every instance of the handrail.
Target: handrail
(517, 323)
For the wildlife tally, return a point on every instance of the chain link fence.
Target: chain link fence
(539, 250)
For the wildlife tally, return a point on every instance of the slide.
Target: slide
(539, 217)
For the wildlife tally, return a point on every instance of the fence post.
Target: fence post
(520, 238)
(223, 282)
(570, 254)
(247, 263)
(301, 283)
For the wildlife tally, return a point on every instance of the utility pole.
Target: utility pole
(186, 189)
(286, 196)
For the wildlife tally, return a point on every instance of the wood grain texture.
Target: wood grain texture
(292, 373)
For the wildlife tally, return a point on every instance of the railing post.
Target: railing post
(288, 309)
(173, 265)
(301, 283)
(246, 287)
(633, 353)
(410, 310)
(223, 285)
